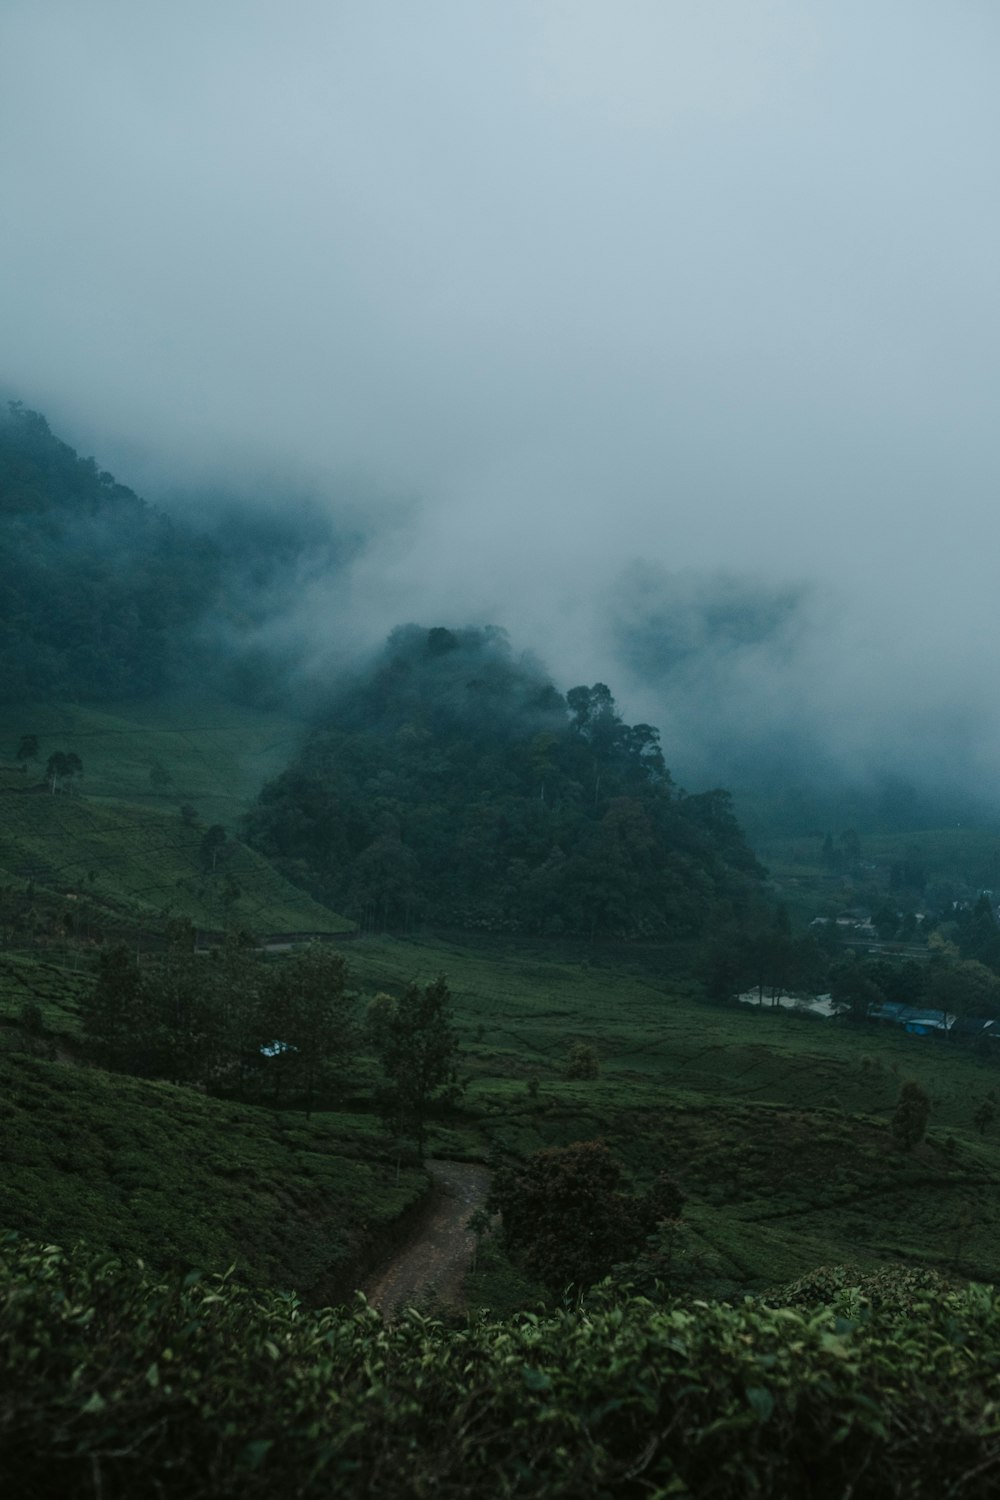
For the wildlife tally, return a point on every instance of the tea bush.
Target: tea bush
(116, 1384)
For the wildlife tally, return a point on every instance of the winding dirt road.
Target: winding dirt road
(436, 1256)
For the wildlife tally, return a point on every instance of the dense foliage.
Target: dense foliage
(454, 782)
(95, 586)
(565, 1218)
(112, 1384)
(103, 597)
(226, 1021)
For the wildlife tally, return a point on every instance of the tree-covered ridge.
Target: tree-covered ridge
(104, 598)
(95, 586)
(454, 782)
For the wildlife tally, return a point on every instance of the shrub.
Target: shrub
(909, 1122)
(565, 1219)
(583, 1061)
(116, 1385)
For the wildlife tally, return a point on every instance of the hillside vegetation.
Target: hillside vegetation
(114, 1384)
(579, 928)
(452, 783)
(117, 864)
(150, 1170)
(104, 598)
(96, 588)
(120, 846)
(179, 749)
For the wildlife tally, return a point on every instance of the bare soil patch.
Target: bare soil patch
(431, 1264)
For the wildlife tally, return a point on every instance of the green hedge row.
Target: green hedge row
(116, 1384)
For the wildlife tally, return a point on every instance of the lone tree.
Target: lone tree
(565, 1217)
(212, 845)
(309, 1008)
(583, 1061)
(62, 766)
(27, 748)
(912, 1113)
(415, 1041)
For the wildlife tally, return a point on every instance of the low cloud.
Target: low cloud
(664, 336)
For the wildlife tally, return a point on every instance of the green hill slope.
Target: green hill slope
(164, 1173)
(117, 847)
(117, 861)
(162, 752)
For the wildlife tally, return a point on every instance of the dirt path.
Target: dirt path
(433, 1261)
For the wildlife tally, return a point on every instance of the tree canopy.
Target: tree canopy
(566, 1219)
(452, 781)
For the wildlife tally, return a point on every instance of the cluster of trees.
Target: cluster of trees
(453, 782)
(230, 1022)
(225, 1020)
(960, 977)
(415, 1040)
(763, 955)
(61, 768)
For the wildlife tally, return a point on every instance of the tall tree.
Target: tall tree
(313, 1017)
(62, 766)
(909, 1122)
(113, 1012)
(853, 991)
(417, 1045)
(213, 842)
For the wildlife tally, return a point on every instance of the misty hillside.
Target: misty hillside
(106, 598)
(95, 587)
(452, 782)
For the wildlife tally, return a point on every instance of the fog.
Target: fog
(664, 335)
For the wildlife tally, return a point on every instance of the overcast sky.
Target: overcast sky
(606, 293)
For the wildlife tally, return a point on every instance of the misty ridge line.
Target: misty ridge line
(265, 606)
(662, 335)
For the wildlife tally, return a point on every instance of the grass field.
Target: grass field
(777, 1127)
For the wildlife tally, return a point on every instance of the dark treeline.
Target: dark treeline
(285, 1033)
(103, 597)
(94, 585)
(454, 783)
(959, 973)
(226, 1021)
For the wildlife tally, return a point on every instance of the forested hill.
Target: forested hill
(453, 782)
(105, 598)
(95, 586)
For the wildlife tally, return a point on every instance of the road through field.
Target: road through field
(432, 1261)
